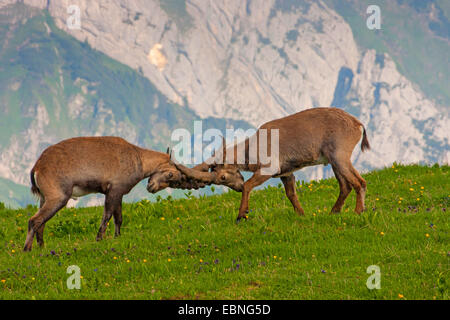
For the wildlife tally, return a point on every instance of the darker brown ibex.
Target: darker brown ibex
(307, 138)
(108, 165)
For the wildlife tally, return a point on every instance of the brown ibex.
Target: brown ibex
(109, 165)
(307, 138)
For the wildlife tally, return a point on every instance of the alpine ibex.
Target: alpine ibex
(307, 138)
(109, 165)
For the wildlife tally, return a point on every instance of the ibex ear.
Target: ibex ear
(168, 150)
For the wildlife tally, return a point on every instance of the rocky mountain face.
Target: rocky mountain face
(415, 33)
(249, 61)
(241, 60)
(54, 87)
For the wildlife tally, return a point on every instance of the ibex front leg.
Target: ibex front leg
(254, 181)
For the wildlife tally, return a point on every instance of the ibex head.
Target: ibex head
(213, 172)
(167, 175)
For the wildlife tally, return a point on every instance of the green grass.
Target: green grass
(193, 249)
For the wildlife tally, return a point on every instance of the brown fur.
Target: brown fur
(305, 138)
(107, 165)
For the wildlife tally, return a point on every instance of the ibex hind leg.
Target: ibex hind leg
(45, 213)
(344, 190)
(360, 196)
(112, 203)
(289, 187)
(40, 232)
(347, 172)
(347, 176)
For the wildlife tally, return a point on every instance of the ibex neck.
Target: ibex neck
(237, 155)
(151, 160)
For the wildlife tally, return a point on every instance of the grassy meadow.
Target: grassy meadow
(193, 249)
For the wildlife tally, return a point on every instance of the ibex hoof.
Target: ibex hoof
(239, 219)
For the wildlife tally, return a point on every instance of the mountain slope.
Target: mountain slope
(193, 249)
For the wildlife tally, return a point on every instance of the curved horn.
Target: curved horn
(206, 177)
(168, 150)
(224, 150)
(218, 157)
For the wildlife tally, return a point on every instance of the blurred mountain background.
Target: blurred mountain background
(140, 69)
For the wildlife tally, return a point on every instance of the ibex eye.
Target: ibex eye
(170, 174)
(222, 177)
